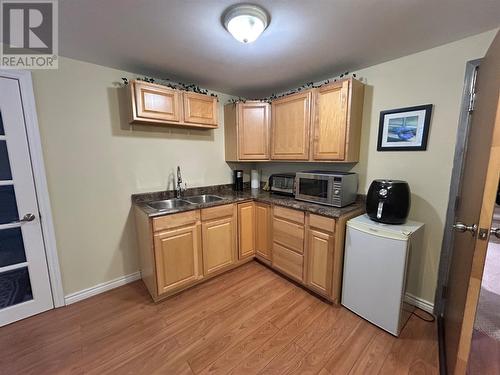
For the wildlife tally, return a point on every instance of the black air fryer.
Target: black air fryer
(388, 201)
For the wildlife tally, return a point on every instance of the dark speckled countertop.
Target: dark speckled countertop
(230, 196)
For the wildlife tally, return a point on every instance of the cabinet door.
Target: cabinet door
(319, 256)
(291, 118)
(200, 109)
(263, 239)
(156, 102)
(178, 257)
(330, 125)
(246, 229)
(253, 131)
(219, 244)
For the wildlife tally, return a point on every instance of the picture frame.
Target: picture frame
(404, 129)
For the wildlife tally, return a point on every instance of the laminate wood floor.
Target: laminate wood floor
(247, 321)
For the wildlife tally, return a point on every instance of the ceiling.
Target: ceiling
(309, 40)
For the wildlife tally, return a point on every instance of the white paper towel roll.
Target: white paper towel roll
(255, 180)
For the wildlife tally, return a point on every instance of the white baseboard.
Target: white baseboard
(101, 288)
(419, 302)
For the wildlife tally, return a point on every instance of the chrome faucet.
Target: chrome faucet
(180, 189)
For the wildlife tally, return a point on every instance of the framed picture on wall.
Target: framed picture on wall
(404, 129)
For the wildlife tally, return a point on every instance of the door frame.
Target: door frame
(42, 193)
(471, 69)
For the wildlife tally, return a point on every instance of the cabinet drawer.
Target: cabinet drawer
(321, 222)
(288, 234)
(175, 220)
(288, 261)
(288, 214)
(217, 212)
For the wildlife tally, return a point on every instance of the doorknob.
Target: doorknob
(495, 232)
(461, 227)
(26, 218)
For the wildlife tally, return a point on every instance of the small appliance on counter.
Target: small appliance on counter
(376, 260)
(254, 179)
(388, 201)
(238, 180)
(282, 183)
(337, 189)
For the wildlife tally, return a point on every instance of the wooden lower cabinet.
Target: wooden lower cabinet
(246, 229)
(288, 262)
(180, 250)
(319, 255)
(263, 232)
(288, 242)
(219, 244)
(288, 234)
(178, 257)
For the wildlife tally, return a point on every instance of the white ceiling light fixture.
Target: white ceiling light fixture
(245, 22)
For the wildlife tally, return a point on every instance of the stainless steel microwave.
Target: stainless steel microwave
(331, 188)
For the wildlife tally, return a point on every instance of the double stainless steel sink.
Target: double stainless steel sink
(169, 204)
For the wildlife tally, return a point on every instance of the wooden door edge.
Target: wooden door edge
(480, 250)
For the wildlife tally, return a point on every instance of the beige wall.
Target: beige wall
(95, 161)
(434, 77)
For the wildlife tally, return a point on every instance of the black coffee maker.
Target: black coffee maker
(388, 201)
(238, 180)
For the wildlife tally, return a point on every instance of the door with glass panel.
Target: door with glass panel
(24, 280)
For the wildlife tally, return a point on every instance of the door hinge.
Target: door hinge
(472, 96)
(472, 102)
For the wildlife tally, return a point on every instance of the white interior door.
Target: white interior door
(24, 280)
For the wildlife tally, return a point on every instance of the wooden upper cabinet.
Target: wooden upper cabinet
(200, 108)
(253, 131)
(290, 126)
(329, 129)
(178, 257)
(321, 124)
(337, 122)
(160, 105)
(246, 128)
(156, 102)
(263, 235)
(246, 229)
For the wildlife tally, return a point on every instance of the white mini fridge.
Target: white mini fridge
(376, 261)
